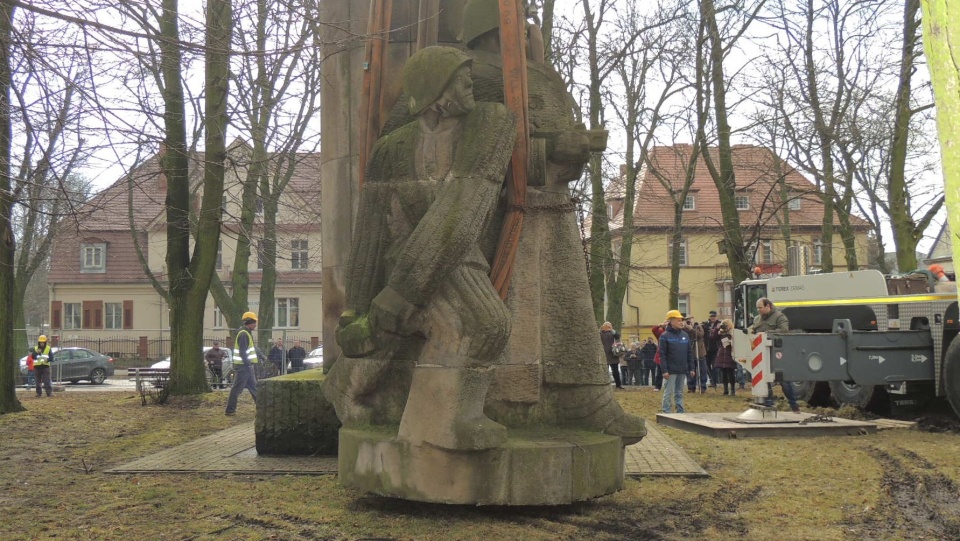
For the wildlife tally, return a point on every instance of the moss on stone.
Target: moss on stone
(294, 418)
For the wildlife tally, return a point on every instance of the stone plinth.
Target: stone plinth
(293, 417)
(534, 467)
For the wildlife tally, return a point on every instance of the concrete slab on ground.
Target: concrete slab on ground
(233, 451)
(788, 424)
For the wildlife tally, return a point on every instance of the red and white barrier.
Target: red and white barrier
(760, 364)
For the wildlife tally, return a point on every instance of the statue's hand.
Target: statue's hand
(355, 335)
(570, 147)
(390, 312)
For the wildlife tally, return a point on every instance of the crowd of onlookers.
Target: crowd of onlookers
(685, 354)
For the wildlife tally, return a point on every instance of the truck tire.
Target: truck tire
(849, 393)
(815, 393)
(951, 374)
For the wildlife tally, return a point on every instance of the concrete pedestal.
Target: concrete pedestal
(534, 467)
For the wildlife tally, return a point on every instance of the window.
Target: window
(817, 255)
(261, 257)
(113, 315)
(766, 252)
(743, 202)
(683, 253)
(218, 318)
(93, 257)
(794, 204)
(72, 315)
(223, 205)
(219, 255)
(299, 257)
(259, 208)
(288, 312)
(689, 203)
(683, 304)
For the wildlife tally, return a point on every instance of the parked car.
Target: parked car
(76, 364)
(314, 359)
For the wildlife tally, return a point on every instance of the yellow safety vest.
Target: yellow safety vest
(41, 358)
(251, 350)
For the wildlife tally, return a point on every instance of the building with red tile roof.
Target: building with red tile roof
(98, 286)
(777, 205)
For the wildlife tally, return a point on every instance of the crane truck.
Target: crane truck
(858, 337)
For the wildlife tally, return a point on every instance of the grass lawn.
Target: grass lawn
(897, 484)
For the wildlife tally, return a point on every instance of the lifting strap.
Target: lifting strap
(371, 91)
(513, 54)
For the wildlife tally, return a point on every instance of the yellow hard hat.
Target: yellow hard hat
(249, 315)
(674, 314)
(42, 338)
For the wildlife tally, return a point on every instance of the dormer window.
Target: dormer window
(689, 203)
(743, 202)
(93, 257)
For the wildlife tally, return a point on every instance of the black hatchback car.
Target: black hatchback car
(75, 364)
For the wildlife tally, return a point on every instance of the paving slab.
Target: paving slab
(720, 425)
(234, 451)
(229, 451)
(657, 455)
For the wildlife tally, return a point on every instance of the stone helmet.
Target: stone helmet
(479, 17)
(428, 72)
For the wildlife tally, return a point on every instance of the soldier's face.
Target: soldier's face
(457, 99)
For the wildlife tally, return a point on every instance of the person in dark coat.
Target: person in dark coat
(676, 360)
(214, 358)
(648, 364)
(296, 355)
(724, 361)
(608, 336)
(713, 346)
(769, 319)
(276, 355)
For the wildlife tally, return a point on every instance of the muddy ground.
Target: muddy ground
(893, 485)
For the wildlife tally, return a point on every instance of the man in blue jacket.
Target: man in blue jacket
(676, 360)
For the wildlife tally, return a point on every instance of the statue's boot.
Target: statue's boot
(594, 407)
(368, 391)
(445, 409)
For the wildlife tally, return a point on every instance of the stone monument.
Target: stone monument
(446, 393)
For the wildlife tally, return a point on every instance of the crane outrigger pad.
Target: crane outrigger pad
(720, 425)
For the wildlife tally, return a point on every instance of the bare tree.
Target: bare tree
(8, 367)
(717, 43)
(48, 118)
(907, 230)
(650, 76)
(277, 76)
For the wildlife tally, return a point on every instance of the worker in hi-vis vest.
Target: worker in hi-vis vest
(244, 357)
(42, 356)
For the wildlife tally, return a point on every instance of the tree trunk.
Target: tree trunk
(9, 364)
(906, 233)
(723, 177)
(190, 277)
(941, 31)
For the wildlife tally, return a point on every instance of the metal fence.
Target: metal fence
(154, 345)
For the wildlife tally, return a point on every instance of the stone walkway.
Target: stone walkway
(233, 451)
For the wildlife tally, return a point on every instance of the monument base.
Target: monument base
(533, 467)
